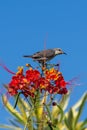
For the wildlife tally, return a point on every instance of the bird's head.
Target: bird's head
(58, 51)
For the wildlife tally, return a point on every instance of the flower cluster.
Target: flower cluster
(51, 81)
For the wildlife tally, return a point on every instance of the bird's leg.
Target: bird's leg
(44, 66)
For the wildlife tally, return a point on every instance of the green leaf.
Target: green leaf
(84, 124)
(9, 127)
(83, 100)
(69, 120)
(78, 103)
(14, 112)
(24, 108)
(72, 117)
(61, 112)
(67, 123)
(64, 101)
(63, 104)
(48, 110)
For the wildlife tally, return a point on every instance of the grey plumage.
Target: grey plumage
(45, 55)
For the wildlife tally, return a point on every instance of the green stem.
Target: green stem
(49, 114)
(17, 99)
(61, 111)
(28, 124)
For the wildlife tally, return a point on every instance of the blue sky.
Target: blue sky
(25, 26)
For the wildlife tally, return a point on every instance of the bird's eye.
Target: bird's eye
(59, 49)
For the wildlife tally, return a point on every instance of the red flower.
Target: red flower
(26, 91)
(12, 91)
(60, 82)
(63, 83)
(52, 81)
(63, 91)
(43, 83)
(32, 75)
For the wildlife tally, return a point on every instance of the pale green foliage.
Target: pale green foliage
(31, 116)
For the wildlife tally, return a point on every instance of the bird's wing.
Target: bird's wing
(41, 59)
(44, 53)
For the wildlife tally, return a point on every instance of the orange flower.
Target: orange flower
(20, 71)
(52, 74)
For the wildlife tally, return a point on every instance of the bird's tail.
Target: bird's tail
(27, 56)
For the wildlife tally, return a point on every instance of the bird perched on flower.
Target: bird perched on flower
(45, 55)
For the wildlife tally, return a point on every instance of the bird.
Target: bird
(45, 55)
